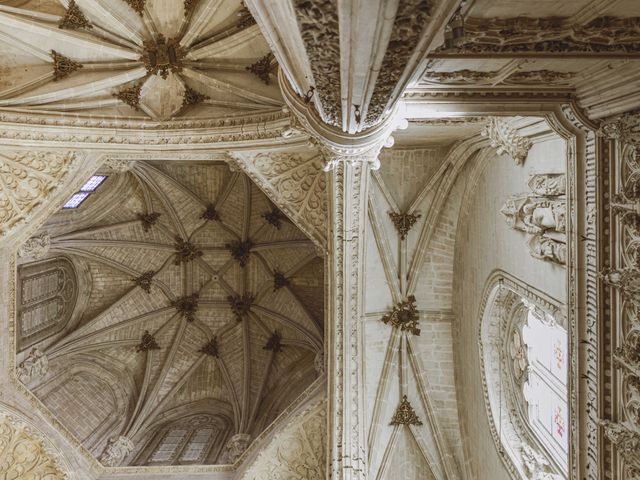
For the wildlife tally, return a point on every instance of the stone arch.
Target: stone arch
(504, 373)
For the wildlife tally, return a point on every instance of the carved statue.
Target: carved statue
(116, 451)
(235, 447)
(548, 249)
(548, 184)
(35, 248)
(535, 214)
(36, 365)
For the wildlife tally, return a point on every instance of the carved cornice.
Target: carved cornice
(474, 77)
(74, 19)
(404, 316)
(403, 222)
(410, 20)
(506, 140)
(318, 23)
(63, 66)
(405, 414)
(544, 36)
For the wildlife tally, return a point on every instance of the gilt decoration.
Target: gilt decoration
(74, 19)
(404, 316)
(403, 222)
(63, 66)
(405, 414)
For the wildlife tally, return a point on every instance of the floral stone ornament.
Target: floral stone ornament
(404, 316)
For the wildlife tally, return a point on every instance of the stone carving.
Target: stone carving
(404, 316)
(210, 213)
(63, 66)
(471, 77)
(148, 220)
(137, 5)
(628, 354)
(240, 251)
(245, 19)
(187, 305)
(74, 19)
(190, 6)
(280, 281)
(624, 127)
(318, 22)
(36, 365)
(274, 343)
(405, 414)
(263, 68)
(145, 280)
(28, 178)
(518, 353)
(24, 457)
(627, 442)
(116, 451)
(161, 56)
(193, 97)
(506, 140)
(627, 280)
(130, 95)
(240, 305)
(534, 215)
(536, 465)
(120, 165)
(274, 217)
(185, 251)
(318, 362)
(403, 222)
(632, 405)
(211, 348)
(548, 249)
(411, 17)
(235, 447)
(147, 343)
(35, 248)
(546, 184)
(550, 35)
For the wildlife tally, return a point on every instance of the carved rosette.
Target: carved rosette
(185, 251)
(404, 316)
(506, 140)
(240, 305)
(263, 68)
(130, 95)
(274, 343)
(145, 280)
(187, 305)
(148, 220)
(240, 251)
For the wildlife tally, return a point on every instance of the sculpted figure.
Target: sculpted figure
(236, 447)
(116, 451)
(36, 365)
(548, 249)
(548, 184)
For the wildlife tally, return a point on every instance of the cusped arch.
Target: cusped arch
(504, 369)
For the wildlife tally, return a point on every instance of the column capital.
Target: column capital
(336, 145)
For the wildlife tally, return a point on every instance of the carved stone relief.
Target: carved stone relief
(506, 140)
(116, 451)
(35, 248)
(36, 365)
(235, 447)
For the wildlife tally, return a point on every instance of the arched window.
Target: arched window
(524, 356)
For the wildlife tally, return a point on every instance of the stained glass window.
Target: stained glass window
(89, 187)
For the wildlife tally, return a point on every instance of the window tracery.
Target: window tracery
(524, 364)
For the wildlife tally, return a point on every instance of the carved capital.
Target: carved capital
(506, 140)
(236, 446)
(116, 451)
(36, 365)
(35, 248)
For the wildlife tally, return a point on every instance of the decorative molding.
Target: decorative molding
(240, 251)
(624, 128)
(116, 451)
(404, 316)
(28, 179)
(148, 342)
(145, 280)
(627, 442)
(405, 414)
(493, 78)
(547, 35)
(548, 184)
(185, 251)
(35, 248)
(411, 18)
(63, 66)
(187, 305)
(190, 7)
(319, 364)
(74, 19)
(506, 140)
(263, 68)
(23, 456)
(404, 222)
(318, 23)
(130, 95)
(548, 249)
(36, 365)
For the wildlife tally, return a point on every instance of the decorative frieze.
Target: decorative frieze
(185, 251)
(187, 305)
(240, 305)
(74, 19)
(493, 78)
(148, 342)
(35, 248)
(117, 450)
(403, 222)
(404, 316)
(280, 281)
(263, 68)
(145, 280)
(148, 220)
(506, 140)
(36, 365)
(240, 251)
(274, 343)
(405, 414)
(63, 66)
(210, 213)
(211, 348)
(274, 217)
(130, 95)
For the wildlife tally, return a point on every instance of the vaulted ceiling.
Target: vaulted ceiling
(196, 296)
(154, 60)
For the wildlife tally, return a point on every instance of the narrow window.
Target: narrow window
(89, 187)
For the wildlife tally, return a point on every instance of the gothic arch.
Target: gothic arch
(503, 367)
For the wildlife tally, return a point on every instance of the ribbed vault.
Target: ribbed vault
(204, 313)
